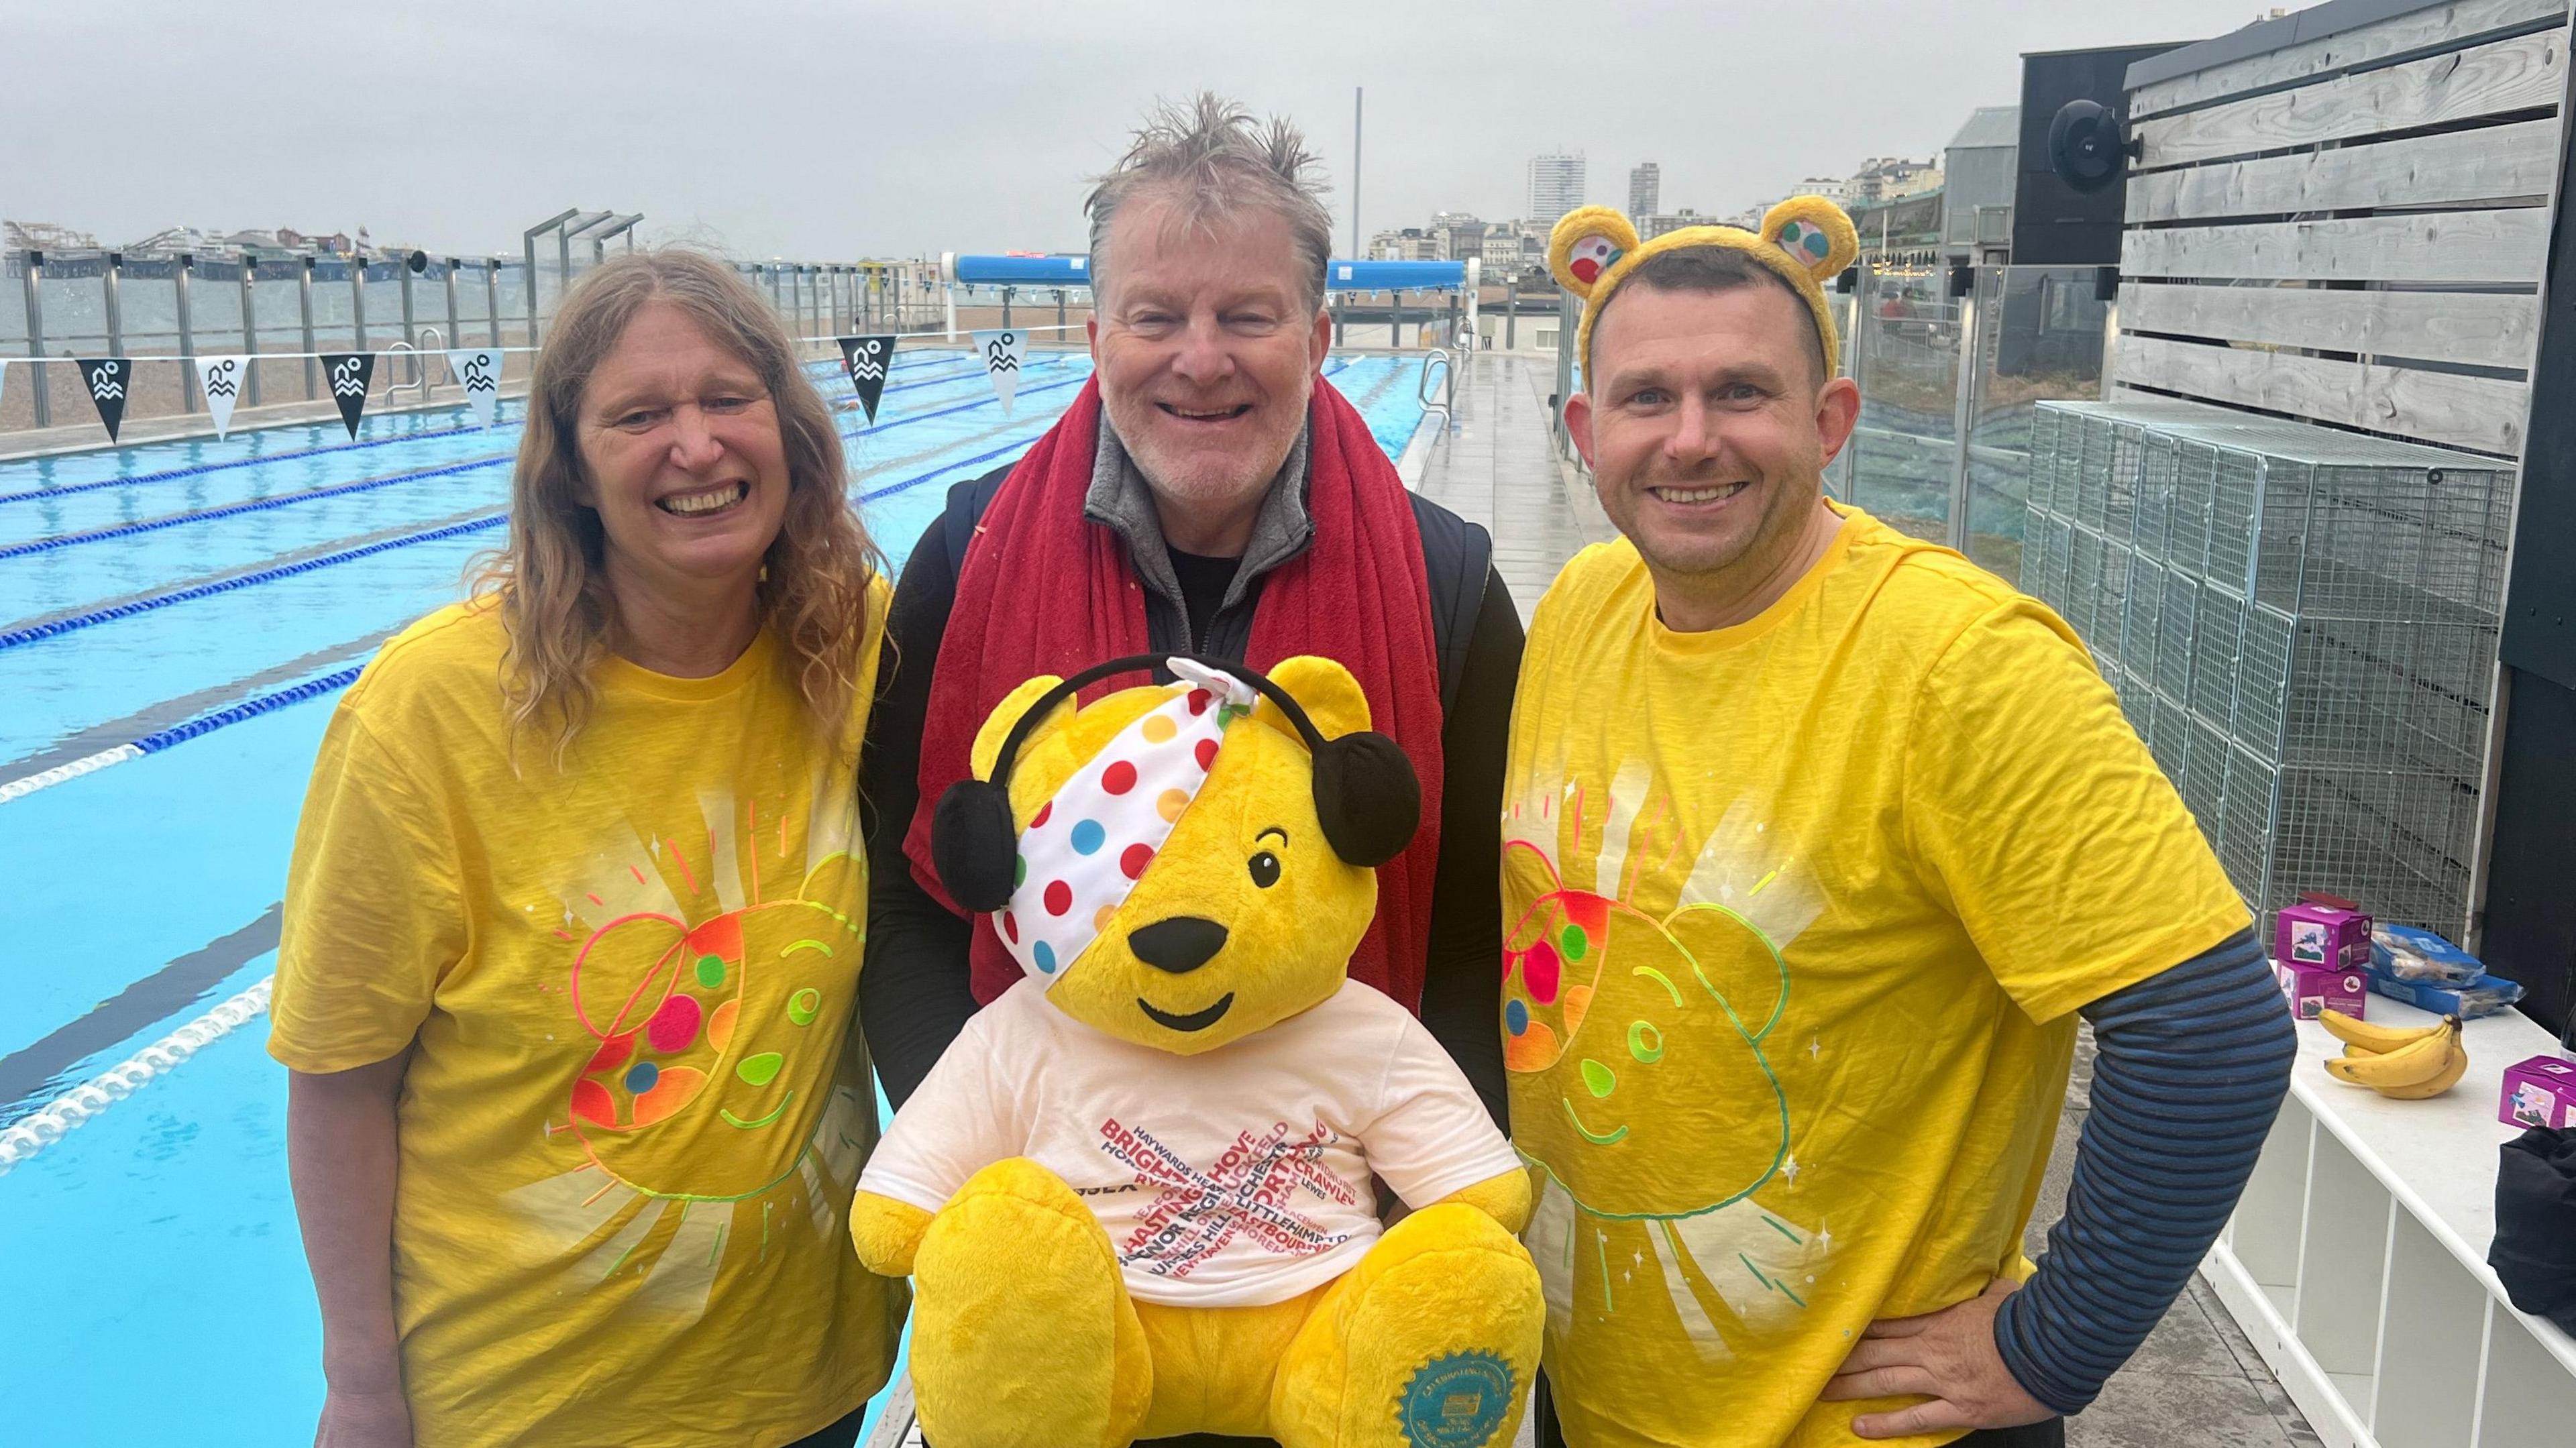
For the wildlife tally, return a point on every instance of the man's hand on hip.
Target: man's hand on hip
(1947, 1356)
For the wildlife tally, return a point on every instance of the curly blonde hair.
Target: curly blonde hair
(548, 578)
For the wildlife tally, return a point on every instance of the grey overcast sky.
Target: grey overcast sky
(831, 131)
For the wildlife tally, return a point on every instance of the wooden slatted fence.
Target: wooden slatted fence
(2351, 229)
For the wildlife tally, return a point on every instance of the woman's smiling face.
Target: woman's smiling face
(682, 458)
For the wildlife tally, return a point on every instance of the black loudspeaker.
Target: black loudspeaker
(2073, 163)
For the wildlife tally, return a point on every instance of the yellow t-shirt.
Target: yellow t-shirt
(1798, 912)
(639, 1100)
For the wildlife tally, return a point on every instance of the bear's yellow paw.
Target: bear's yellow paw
(887, 1233)
(1023, 1334)
(1431, 1342)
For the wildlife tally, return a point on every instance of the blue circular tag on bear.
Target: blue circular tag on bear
(1457, 1401)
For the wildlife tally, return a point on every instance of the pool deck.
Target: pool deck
(2197, 1382)
(1495, 465)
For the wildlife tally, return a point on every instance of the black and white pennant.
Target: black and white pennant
(867, 360)
(1002, 352)
(220, 378)
(478, 371)
(108, 378)
(350, 374)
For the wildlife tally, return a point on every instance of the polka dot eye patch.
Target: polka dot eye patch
(1089, 844)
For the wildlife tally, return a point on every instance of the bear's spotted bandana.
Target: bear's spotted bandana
(1089, 843)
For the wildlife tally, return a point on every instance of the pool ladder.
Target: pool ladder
(1446, 403)
(427, 341)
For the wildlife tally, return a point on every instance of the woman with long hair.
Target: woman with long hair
(567, 984)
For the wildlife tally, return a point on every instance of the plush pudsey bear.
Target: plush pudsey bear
(1135, 1195)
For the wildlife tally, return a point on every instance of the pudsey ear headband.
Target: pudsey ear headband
(1366, 796)
(1806, 241)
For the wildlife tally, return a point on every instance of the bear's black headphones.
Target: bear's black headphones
(1366, 796)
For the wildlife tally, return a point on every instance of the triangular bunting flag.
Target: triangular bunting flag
(350, 374)
(867, 359)
(478, 371)
(1002, 352)
(221, 378)
(107, 378)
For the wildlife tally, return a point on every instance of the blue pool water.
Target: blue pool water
(152, 1285)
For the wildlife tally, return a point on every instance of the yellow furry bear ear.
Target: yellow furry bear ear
(1815, 233)
(997, 725)
(1587, 242)
(1324, 689)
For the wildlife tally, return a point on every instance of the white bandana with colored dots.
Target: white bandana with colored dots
(1091, 842)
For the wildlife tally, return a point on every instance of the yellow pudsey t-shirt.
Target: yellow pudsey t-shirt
(1798, 913)
(639, 1100)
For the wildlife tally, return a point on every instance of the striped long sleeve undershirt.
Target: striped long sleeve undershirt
(2192, 1067)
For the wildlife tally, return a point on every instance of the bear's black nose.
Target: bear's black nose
(1180, 945)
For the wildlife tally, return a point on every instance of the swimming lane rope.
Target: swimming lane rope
(67, 1112)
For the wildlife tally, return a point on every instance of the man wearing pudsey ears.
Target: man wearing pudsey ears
(1817, 841)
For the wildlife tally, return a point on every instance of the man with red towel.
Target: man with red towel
(1208, 493)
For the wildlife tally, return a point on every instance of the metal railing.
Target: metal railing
(283, 310)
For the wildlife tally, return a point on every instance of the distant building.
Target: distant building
(44, 236)
(1461, 235)
(1654, 224)
(331, 244)
(1832, 188)
(1978, 176)
(1410, 243)
(1645, 189)
(1555, 185)
(1891, 178)
(177, 241)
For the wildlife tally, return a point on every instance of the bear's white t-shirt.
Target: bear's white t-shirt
(1234, 1178)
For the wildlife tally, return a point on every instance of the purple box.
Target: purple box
(2539, 1092)
(2311, 989)
(2314, 935)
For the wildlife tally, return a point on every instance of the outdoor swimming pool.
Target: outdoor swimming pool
(187, 612)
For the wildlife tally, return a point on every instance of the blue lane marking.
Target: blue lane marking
(57, 627)
(247, 709)
(891, 489)
(312, 688)
(165, 475)
(170, 474)
(255, 505)
(147, 525)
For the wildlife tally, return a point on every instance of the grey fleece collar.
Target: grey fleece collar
(1121, 499)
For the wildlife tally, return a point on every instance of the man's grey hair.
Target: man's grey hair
(1211, 159)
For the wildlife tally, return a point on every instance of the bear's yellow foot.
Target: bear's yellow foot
(1429, 1343)
(1023, 1334)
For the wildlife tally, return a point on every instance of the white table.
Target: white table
(2356, 1261)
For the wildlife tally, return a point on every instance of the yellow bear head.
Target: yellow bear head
(1243, 916)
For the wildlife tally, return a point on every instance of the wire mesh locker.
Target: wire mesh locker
(2301, 624)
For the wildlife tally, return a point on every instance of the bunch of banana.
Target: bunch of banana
(2404, 1063)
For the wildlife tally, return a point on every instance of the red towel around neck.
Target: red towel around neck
(1044, 590)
